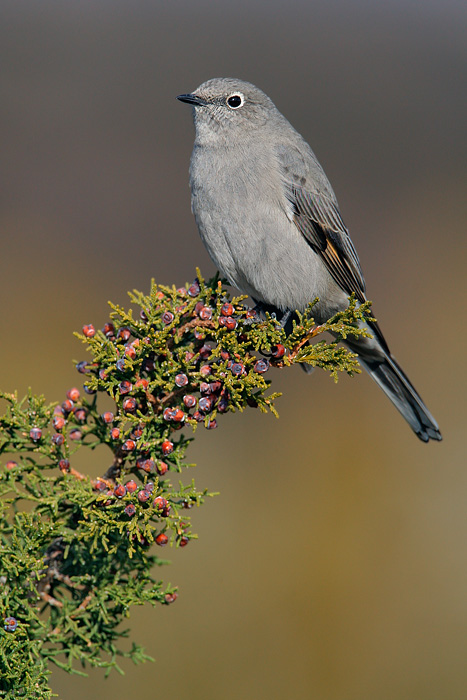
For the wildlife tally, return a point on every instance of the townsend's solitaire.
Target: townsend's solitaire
(270, 221)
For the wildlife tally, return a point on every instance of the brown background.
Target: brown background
(332, 565)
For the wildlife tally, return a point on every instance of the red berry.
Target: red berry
(124, 334)
(143, 496)
(131, 486)
(73, 394)
(80, 414)
(147, 465)
(161, 503)
(75, 434)
(58, 411)
(58, 422)
(89, 331)
(205, 313)
(205, 370)
(230, 324)
(162, 468)
(205, 352)
(67, 406)
(194, 289)
(149, 487)
(129, 404)
(115, 433)
(261, 366)
(181, 380)
(11, 464)
(198, 416)
(199, 335)
(137, 432)
(205, 404)
(109, 330)
(108, 417)
(130, 510)
(35, 434)
(189, 400)
(189, 356)
(64, 465)
(167, 447)
(142, 383)
(58, 439)
(168, 413)
(170, 598)
(125, 387)
(162, 539)
(227, 309)
(237, 368)
(100, 485)
(223, 403)
(129, 446)
(225, 355)
(278, 351)
(167, 318)
(211, 424)
(178, 415)
(120, 491)
(130, 352)
(183, 541)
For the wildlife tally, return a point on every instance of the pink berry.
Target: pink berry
(73, 394)
(35, 434)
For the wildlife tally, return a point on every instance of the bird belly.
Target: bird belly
(262, 253)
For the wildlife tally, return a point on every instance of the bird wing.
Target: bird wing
(317, 217)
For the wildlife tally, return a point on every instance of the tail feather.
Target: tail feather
(399, 389)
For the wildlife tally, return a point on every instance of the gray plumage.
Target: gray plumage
(270, 221)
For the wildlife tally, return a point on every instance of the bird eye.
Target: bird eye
(235, 101)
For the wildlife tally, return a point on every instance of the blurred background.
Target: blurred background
(332, 564)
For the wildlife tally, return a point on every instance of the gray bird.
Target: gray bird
(270, 221)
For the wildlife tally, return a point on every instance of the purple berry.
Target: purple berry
(35, 434)
(10, 624)
(167, 318)
(261, 366)
(130, 510)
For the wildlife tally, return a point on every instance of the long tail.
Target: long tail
(397, 386)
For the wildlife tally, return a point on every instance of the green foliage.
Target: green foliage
(77, 553)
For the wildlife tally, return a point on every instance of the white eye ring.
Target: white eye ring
(233, 102)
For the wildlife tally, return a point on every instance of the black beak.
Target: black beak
(192, 99)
